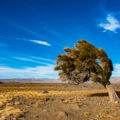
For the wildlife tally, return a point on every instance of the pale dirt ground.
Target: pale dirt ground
(56, 102)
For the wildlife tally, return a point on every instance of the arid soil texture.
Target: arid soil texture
(42, 101)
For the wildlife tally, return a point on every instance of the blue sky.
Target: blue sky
(33, 32)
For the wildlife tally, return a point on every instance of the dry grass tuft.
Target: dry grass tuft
(17, 103)
(86, 113)
(11, 111)
(67, 94)
(38, 103)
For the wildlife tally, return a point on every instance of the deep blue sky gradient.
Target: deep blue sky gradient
(58, 22)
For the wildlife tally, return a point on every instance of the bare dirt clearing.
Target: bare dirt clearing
(38, 101)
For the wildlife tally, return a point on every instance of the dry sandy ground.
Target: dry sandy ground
(56, 102)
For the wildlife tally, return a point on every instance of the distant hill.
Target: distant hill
(46, 80)
(115, 80)
(31, 80)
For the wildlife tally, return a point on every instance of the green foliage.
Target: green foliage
(83, 62)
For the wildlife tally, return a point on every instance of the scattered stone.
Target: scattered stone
(62, 99)
(45, 91)
(70, 99)
(47, 99)
(36, 116)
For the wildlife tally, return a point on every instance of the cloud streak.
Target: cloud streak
(30, 60)
(44, 59)
(28, 72)
(40, 42)
(111, 24)
(29, 31)
(36, 41)
(23, 28)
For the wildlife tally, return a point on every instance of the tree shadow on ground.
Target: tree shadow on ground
(103, 94)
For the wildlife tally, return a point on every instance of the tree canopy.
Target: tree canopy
(84, 62)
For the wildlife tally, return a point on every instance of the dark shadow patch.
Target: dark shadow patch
(103, 94)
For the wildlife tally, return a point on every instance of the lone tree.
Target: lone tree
(84, 62)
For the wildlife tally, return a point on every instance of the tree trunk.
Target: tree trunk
(112, 93)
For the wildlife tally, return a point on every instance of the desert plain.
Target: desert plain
(57, 101)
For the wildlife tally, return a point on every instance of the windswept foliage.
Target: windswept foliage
(83, 62)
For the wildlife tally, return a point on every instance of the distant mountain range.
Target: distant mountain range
(46, 80)
(115, 80)
(31, 80)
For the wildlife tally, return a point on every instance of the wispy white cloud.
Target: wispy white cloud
(12, 23)
(41, 42)
(28, 72)
(35, 41)
(30, 60)
(111, 24)
(29, 31)
(43, 59)
(33, 32)
(116, 71)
